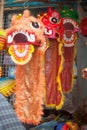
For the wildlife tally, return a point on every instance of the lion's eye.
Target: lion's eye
(35, 25)
(54, 20)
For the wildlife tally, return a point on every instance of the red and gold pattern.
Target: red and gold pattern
(69, 39)
(53, 23)
(70, 28)
(54, 97)
(21, 54)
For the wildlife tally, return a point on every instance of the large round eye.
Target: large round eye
(35, 25)
(54, 20)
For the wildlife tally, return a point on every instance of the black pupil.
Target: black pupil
(35, 24)
(54, 20)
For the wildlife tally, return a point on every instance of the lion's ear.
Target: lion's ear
(26, 13)
(13, 19)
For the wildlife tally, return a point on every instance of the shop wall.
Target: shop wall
(81, 63)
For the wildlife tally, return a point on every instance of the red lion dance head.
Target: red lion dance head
(53, 23)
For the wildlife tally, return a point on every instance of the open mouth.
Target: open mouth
(48, 31)
(22, 37)
(72, 22)
(21, 46)
(68, 36)
(69, 31)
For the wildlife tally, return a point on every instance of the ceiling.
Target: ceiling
(20, 4)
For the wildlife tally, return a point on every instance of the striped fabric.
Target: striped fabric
(8, 118)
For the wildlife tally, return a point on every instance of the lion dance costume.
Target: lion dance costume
(44, 62)
(70, 35)
(54, 97)
(61, 30)
(26, 45)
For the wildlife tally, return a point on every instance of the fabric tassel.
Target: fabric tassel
(53, 92)
(67, 73)
(29, 89)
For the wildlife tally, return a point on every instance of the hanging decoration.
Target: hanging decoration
(21, 41)
(3, 38)
(7, 85)
(70, 35)
(53, 23)
(54, 97)
(26, 45)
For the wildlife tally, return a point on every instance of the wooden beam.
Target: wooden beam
(1, 13)
(20, 1)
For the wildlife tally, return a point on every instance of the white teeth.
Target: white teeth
(10, 39)
(21, 32)
(14, 33)
(21, 54)
(15, 47)
(68, 39)
(26, 34)
(69, 45)
(73, 22)
(26, 47)
(64, 21)
(43, 47)
(76, 25)
(31, 38)
(49, 32)
(70, 21)
(71, 38)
